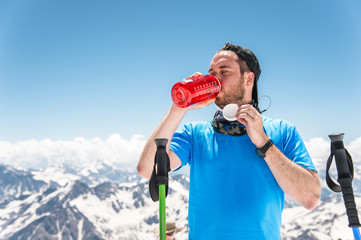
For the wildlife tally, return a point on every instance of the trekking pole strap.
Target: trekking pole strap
(160, 170)
(345, 172)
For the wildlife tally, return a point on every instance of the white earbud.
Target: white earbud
(229, 112)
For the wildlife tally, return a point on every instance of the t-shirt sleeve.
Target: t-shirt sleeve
(181, 144)
(295, 148)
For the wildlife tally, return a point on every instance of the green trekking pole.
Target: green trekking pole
(162, 220)
(158, 184)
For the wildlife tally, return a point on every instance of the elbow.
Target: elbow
(314, 195)
(143, 172)
(313, 200)
(311, 204)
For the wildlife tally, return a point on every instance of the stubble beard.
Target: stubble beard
(234, 95)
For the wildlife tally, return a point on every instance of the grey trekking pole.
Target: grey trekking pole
(345, 173)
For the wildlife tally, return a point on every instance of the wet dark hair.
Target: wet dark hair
(248, 62)
(242, 64)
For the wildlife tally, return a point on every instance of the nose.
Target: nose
(218, 76)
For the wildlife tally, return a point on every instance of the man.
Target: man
(237, 177)
(171, 230)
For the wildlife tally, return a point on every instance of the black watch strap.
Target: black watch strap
(261, 152)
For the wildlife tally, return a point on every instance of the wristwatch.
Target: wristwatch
(261, 152)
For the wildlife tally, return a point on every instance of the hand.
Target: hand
(195, 75)
(252, 119)
(201, 104)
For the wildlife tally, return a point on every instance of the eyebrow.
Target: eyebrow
(223, 66)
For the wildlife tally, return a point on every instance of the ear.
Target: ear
(248, 79)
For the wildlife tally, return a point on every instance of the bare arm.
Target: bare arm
(166, 130)
(299, 183)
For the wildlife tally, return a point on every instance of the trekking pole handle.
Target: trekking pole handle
(340, 155)
(345, 176)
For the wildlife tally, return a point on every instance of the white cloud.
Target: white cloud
(79, 152)
(118, 151)
(354, 148)
(320, 150)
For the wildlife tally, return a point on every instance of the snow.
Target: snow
(328, 221)
(135, 215)
(56, 175)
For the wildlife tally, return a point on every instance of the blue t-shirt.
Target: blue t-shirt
(232, 193)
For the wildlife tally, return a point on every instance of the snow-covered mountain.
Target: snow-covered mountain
(328, 221)
(69, 206)
(17, 184)
(104, 202)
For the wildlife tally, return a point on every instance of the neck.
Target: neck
(246, 100)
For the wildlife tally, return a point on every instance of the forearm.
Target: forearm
(165, 129)
(297, 182)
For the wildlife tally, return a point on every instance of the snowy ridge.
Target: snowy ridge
(104, 202)
(71, 209)
(17, 183)
(328, 221)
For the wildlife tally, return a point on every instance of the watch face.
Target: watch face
(259, 153)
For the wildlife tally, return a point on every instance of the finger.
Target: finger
(201, 104)
(248, 107)
(195, 75)
(243, 122)
(248, 112)
(245, 116)
(251, 110)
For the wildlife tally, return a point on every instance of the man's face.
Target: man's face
(170, 235)
(225, 67)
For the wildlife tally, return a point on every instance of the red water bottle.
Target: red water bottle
(195, 90)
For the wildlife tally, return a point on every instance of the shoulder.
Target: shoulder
(277, 124)
(282, 131)
(195, 126)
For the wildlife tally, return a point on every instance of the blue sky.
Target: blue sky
(95, 68)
